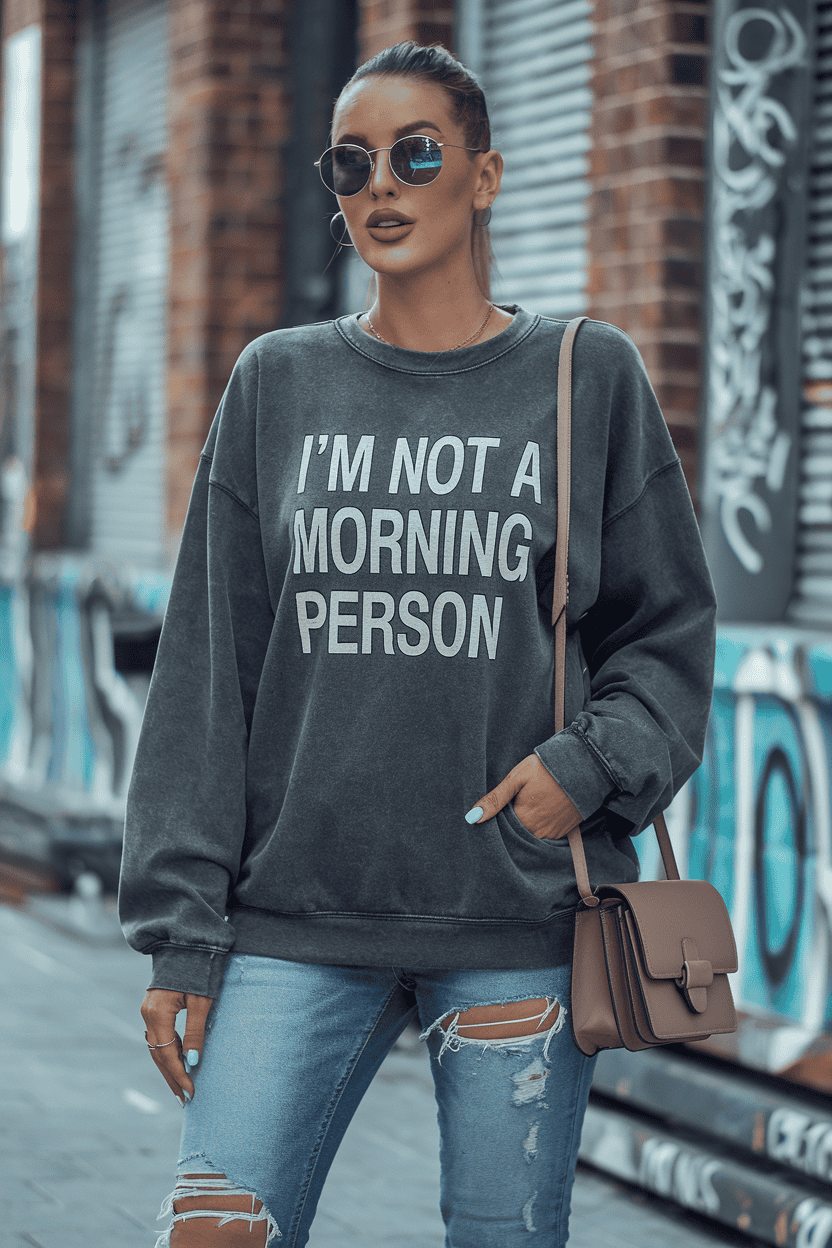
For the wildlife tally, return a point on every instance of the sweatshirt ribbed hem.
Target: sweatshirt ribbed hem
(436, 944)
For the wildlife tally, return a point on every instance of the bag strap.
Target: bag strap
(560, 597)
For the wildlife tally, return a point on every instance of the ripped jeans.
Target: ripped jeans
(291, 1048)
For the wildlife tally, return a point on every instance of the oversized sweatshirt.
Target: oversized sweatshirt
(358, 646)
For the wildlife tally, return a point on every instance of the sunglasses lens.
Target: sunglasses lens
(345, 169)
(416, 160)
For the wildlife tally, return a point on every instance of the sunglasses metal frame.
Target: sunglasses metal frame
(389, 149)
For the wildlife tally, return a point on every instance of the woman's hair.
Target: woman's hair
(434, 63)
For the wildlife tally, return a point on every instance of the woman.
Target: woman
(348, 806)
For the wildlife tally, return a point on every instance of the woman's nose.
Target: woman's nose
(382, 173)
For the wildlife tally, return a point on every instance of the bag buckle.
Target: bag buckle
(696, 977)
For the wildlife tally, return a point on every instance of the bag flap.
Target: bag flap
(666, 911)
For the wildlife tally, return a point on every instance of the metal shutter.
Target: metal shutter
(128, 292)
(533, 59)
(812, 602)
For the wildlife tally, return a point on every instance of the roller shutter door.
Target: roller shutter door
(812, 602)
(534, 63)
(128, 293)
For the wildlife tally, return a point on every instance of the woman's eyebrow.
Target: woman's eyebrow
(410, 128)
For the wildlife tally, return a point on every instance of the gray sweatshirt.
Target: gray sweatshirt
(358, 646)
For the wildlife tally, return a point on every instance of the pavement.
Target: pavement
(89, 1132)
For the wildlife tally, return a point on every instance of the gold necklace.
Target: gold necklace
(461, 344)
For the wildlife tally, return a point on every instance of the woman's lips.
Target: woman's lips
(389, 231)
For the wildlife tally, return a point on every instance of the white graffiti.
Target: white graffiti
(802, 1141)
(686, 1177)
(815, 1221)
(746, 445)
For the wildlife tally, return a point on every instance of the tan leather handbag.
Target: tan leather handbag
(651, 960)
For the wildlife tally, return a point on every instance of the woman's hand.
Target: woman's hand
(159, 1010)
(541, 805)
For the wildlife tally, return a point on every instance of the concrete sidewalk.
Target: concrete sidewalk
(90, 1133)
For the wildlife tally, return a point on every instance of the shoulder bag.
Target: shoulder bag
(651, 960)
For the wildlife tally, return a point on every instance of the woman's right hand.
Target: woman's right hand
(159, 1009)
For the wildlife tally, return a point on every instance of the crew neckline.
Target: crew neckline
(438, 363)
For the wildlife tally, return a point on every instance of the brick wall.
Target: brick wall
(50, 486)
(647, 209)
(55, 285)
(385, 22)
(230, 117)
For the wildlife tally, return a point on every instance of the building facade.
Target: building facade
(668, 168)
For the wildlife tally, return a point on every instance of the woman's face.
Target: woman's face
(373, 113)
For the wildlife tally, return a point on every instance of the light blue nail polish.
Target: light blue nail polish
(474, 815)
(193, 1057)
(187, 1095)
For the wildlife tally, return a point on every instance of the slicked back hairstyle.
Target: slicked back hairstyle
(434, 63)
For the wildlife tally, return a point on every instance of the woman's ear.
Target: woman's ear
(491, 173)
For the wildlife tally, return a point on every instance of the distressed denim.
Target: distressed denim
(291, 1047)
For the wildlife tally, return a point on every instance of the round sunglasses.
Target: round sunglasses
(415, 160)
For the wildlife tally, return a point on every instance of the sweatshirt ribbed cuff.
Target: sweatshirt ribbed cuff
(571, 761)
(182, 969)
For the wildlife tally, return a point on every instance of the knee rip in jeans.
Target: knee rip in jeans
(487, 1016)
(195, 1184)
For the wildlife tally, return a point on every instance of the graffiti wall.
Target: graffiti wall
(755, 822)
(69, 721)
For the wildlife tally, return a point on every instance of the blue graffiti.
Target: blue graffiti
(755, 818)
(68, 722)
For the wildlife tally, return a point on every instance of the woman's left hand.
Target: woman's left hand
(541, 805)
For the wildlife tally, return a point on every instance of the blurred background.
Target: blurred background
(668, 168)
